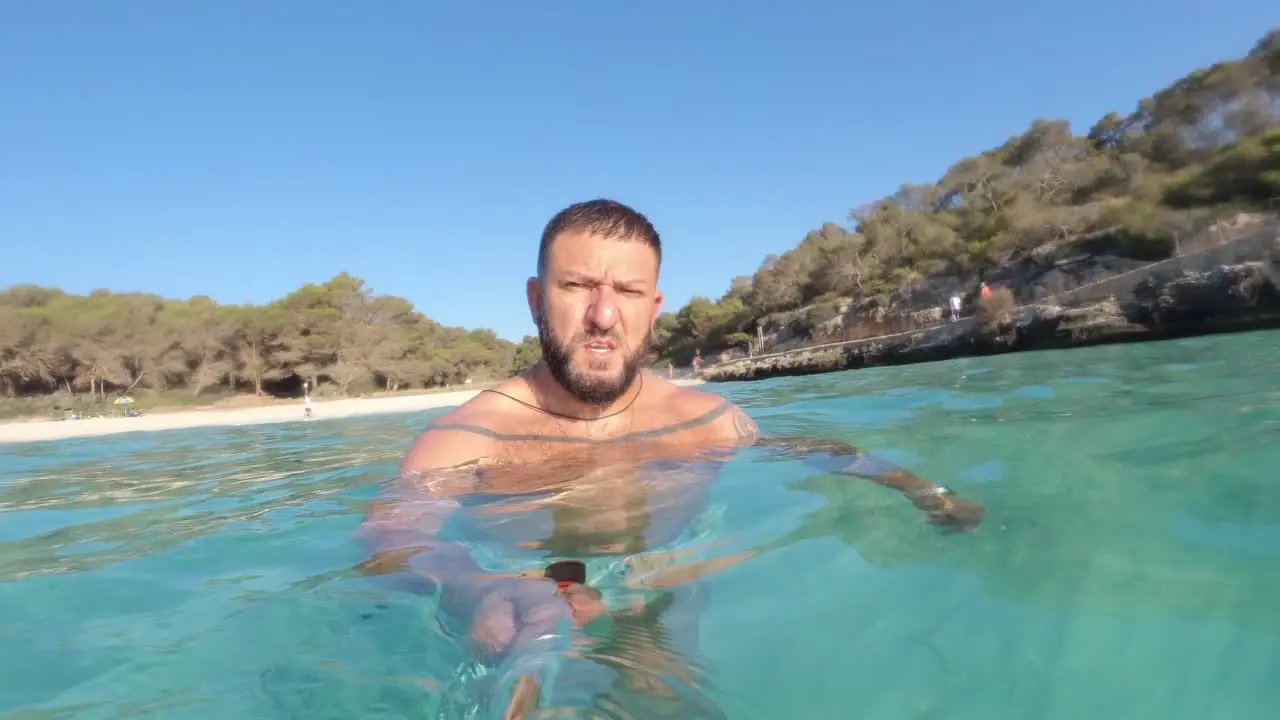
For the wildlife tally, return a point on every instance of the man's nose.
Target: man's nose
(603, 312)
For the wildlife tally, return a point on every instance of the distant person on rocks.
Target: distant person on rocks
(955, 307)
(697, 361)
(984, 291)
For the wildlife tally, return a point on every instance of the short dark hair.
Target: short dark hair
(609, 218)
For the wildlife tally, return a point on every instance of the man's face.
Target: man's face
(595, 309)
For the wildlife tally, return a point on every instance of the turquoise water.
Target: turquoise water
(1129, 565)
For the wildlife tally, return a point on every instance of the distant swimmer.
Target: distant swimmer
(605, 473)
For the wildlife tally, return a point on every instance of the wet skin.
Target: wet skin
(534, 467)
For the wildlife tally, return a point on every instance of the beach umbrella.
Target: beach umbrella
(125, 400)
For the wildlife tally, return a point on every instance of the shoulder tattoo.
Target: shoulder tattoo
(745, 428)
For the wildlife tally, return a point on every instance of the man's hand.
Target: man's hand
(516, 611)
(494, 625)
(513, 614)
(951, 512)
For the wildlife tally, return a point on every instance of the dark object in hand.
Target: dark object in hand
(567, 571)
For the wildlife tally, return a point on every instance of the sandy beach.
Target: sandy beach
(16, 432)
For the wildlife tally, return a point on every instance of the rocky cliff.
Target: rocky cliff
(1071, 273)
(1175, 303)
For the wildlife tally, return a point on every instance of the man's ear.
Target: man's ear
(533, 293)
(657, 310)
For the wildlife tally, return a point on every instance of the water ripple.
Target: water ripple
(1132, 522)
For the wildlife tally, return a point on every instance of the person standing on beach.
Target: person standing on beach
(955, 307)
(612, 465)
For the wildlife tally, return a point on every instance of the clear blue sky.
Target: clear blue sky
(238, 149)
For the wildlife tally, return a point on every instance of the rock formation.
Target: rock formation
(1162, 303)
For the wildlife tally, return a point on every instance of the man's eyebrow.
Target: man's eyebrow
(577, 276)
(574, 276)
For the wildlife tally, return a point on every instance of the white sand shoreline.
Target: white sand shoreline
(38, 431)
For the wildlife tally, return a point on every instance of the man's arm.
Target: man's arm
(512, 622)
(943, 506)
(403, 526)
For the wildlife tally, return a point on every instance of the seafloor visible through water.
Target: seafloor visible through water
(1129, 565)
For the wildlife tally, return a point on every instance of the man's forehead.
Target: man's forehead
(594, 254)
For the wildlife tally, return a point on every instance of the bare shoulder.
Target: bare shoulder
(679, 399)
(723, 421)
(454, 439)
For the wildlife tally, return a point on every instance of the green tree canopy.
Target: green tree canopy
(337, 334)
(1207, 142)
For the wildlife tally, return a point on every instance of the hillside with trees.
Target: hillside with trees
(1207, 146)
(338, 335)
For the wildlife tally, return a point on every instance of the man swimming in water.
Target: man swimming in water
(608, 462)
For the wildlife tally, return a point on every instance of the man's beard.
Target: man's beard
(592, 390)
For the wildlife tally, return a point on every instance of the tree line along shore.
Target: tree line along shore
(1133, 186)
